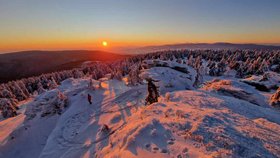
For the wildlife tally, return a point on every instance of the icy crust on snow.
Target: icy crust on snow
(236, 89)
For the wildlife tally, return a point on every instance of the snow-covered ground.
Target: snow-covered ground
(184, 123)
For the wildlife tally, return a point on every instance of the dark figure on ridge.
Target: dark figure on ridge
(89, 99)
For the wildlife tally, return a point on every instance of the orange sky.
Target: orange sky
(71, 24)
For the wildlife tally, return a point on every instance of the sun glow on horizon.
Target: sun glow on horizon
(104, 43)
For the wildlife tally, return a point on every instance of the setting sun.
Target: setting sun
(104, 43)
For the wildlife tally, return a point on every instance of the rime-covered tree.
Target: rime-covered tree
(8, 107)
(52, 83)
(153, 93)
(275, 99)
(133, 75)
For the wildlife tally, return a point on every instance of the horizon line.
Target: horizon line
(136, 47)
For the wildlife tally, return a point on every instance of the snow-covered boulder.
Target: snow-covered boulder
(49, 103)
(235, 89)
(171, 64)
(266, 82)
(170, 75)
(169, 79)
(275, 99)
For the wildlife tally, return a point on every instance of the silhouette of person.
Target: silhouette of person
(89, 99)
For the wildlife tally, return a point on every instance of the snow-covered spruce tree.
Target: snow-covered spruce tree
(40, 88)
(221, 68)
(16, 90)
(31, 85)
(190, 61)
(118, 75)
(133, 75)
(197, 63)
(6, 93)
(44, 81)
(198, 78)
(48, 104)
(8, 107)
(52, 83)
(213, 69)
(263, 67)
(22, 86)
(91, 84)
(153, 92)
(77, 73)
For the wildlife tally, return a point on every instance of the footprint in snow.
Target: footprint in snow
(155, 148)
(184, 153)
(148, 145)
(185, 150)
(182, 156)
(164, 151)
(170, 142)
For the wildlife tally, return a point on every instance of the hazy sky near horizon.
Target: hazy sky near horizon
(84, 24)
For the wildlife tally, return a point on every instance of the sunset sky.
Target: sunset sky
(85, 24)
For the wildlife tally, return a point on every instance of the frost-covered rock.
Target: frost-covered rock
(169, 79)
(8, 107)
(266, 82)
(49, 103)
(235, 89)
(275, 99)
(171, 64)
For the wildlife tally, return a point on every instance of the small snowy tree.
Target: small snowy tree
(16, 90)
(153, 93)
(198, 78)
(133, 76)
(77, 73)
(91, 84)
(8, 107)
(52, 83)
(40, 89)
(275, 99)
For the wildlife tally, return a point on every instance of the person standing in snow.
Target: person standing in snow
(89, 99)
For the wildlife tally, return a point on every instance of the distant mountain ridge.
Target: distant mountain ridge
(18, 65)
(218, 45)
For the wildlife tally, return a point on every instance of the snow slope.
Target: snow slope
(184, 123)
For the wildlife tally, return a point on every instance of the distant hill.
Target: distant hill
(29, 63)
(201, 46)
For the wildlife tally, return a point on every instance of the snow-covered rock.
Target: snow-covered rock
(147, 64)
(275, 99)
(266, 82)
(170, 79)
(235, 89)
